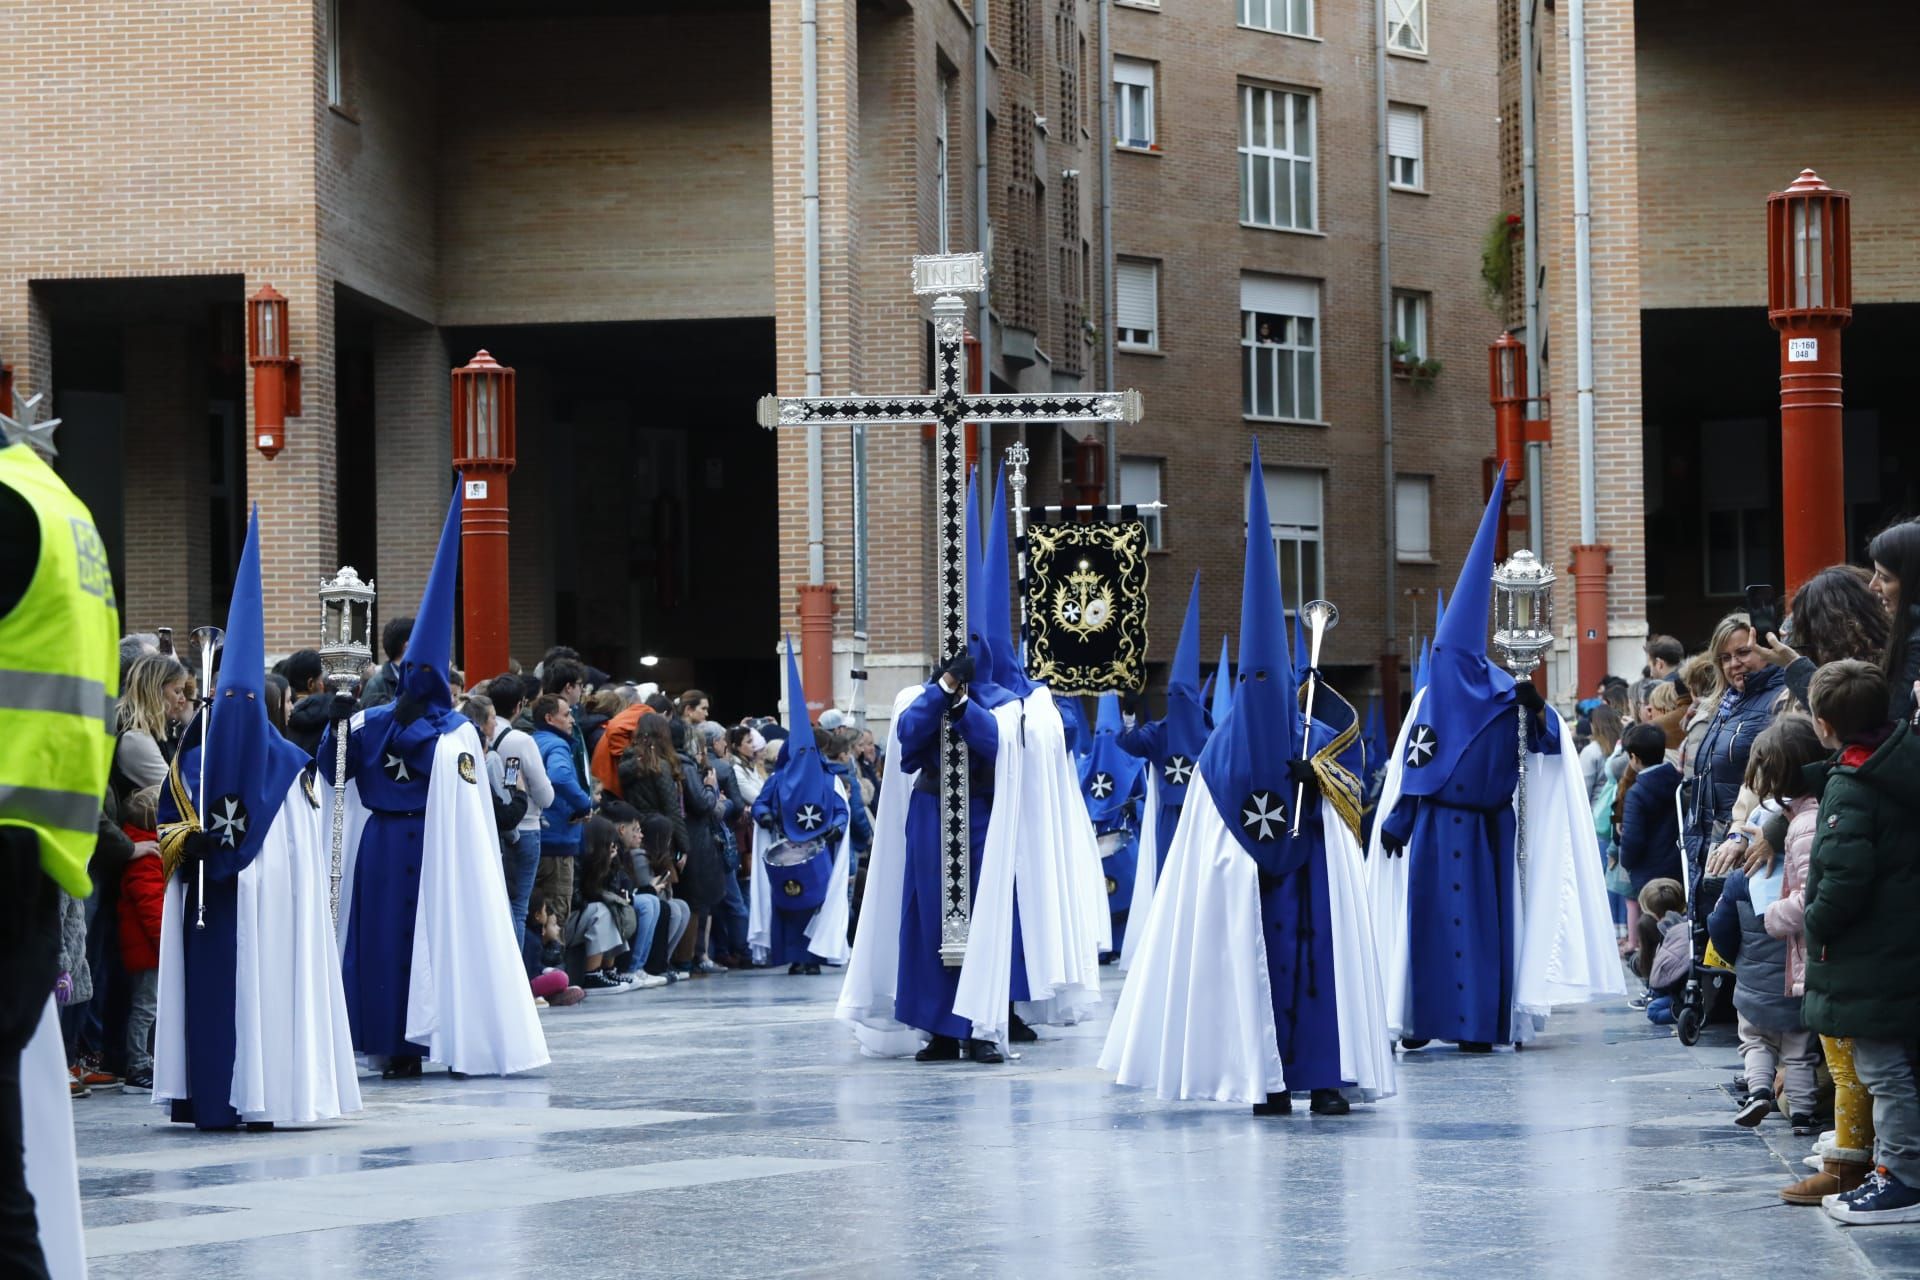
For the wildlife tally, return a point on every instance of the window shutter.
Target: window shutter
(1406, 129)
(1412, 532)
(1136, 298)
(1280, 295)
(1129, 71)
(1293, 498)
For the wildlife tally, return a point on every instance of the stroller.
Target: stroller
(1707, 989)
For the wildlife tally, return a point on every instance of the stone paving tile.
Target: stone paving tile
(728, 1127)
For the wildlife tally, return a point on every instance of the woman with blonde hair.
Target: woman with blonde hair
(155, 703)
(1750, 695)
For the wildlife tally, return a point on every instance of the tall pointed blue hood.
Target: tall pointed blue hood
(1187, 727)
(1110, 778)
(1464, 689)
(1222, 686)
(249, 764)
(1245, 763)
(1184, 675)
(425, 666)
(803, 797)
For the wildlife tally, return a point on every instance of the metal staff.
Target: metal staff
(1322, 616)
(1017, 458)
(346, 643)
(209, 639)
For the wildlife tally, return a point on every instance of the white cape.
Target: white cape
(1195, 1019)
(1145, 868)
(873, 971)
(293, 1049)
(53, 1175)
(1566, 952)
(1039, 838)
(1055, 861)
(827, 930)
(467, 999)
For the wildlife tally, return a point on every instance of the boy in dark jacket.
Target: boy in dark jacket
(1650, 826)
(1862, 898)
(1771, 1032)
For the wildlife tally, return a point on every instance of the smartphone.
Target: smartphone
(1763, 610)
(513, 771)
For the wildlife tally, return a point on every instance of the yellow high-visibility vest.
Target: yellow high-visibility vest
(59, 677)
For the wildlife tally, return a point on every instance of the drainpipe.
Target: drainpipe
(1109, 312)
(983, 325)
(1530, 230)
(1590, 556)
(816, 596)
(1383, 356)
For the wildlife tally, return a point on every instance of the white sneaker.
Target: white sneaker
(644, 981)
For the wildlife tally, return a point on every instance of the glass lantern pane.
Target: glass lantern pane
(1809, 287)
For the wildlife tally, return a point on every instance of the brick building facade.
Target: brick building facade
(611, 203)
(1693, 121)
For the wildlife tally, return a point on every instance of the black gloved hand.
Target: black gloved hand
(1302, 774)
(407, 709)
(959, 666)
(345, 707)
(1391, 844)
(198, 846)
(1529, 697)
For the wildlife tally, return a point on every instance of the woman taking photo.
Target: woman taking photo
(1896, 580)
(1836, 615)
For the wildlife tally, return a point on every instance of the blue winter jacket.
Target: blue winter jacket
(1720, 764)
(1649, 840)
(559, 833)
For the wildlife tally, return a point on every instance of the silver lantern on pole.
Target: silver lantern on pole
(346, 646)
(1522, 632)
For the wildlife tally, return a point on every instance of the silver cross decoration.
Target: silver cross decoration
(949, 407)
(24, 424)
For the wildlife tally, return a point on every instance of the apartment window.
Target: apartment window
(942, 154)
(1140, 487)
(336, 78)
(1289, 17)
(1406, 147)
(1133, 103)
(1410, 325)
(1136, 303)
(1413, 517)
(1276, 159)
(1295, 499)
(1280, 348)
(1407, 26)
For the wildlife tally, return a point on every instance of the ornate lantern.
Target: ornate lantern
(346, 627)
(276, 374)
(1522, 612)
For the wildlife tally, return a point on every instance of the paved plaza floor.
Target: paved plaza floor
(728, 1127)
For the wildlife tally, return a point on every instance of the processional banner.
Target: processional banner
(1086, 605)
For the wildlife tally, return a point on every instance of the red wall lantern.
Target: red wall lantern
(276, 374)
(1810, 300)
(483, 454)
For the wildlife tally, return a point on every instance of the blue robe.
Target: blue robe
(1149, 742)
(1120, 866)
(1460, 882)
(925, 993)
(376, 965)
(211, 972)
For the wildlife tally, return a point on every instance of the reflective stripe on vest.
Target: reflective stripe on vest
(59, 673)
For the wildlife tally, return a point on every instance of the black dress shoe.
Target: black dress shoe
(985, 1051)
(939, 1049)
(1475, 1046)
(1277, 1104)
(1411, 1043)
(401, 1068)
(1329, 1102)
(794, 970)
(259, 1126)
(811, 970)
(1019, 1032)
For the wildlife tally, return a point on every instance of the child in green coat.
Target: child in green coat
(1862, 897)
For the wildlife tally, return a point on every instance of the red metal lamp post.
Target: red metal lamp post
(483, 454)
(1810, 300)
(1507, 393)
(276, 375)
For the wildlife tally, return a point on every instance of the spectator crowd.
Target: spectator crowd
(1758, 805)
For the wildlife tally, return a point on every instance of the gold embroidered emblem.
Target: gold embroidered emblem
(467, 773)
(792, 889)
(1113, 886)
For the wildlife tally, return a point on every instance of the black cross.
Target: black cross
(950, 408)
